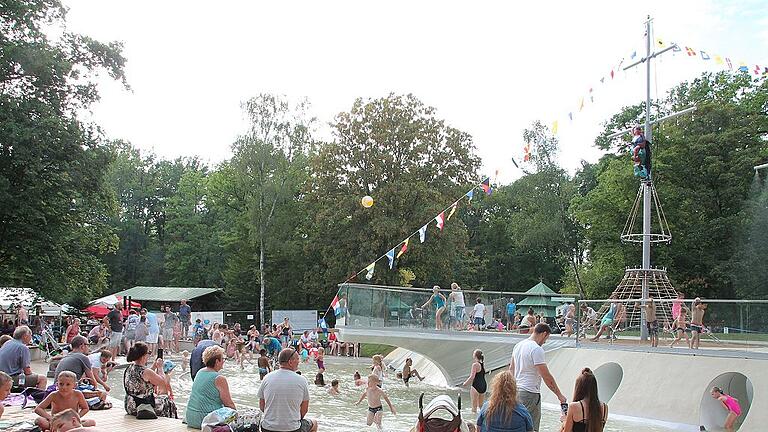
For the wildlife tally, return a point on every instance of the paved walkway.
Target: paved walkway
(109, 420)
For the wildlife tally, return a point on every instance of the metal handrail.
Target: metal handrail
(429, 290)
(685, 300)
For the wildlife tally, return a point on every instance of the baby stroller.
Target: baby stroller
(429, 422)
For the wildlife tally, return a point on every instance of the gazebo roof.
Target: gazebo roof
(539, 295)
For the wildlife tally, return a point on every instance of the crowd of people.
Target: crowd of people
(80, 381)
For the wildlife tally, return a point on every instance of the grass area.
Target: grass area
(368, 349)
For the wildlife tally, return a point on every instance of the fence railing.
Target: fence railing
(727, 325)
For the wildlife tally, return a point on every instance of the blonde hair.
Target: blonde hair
(373, 378)
(5, 379)
(378, 360)
(67, 374)
(63, 417)
(211, 354)
(503, 395)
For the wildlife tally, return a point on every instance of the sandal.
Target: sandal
(102, 405)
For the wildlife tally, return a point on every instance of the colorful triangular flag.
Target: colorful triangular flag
(718, 59)
(469, 195)
(554, 127)
(728, 62)
(660, 43)
(486, 185)
(611, 73)
(440, 220)
(757, 70)
(602, 80)
(391, 258)
(743, 67)
(691, 52)
(371, 267)
(423, 233)
(581, 104)
(570, 116)
(634, 54)
(453, 210)
(404, 248)
(704, 55)
(676, 47)
(527, 152)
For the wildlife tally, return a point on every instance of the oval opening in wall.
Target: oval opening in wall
(711, 413)
(609, 376)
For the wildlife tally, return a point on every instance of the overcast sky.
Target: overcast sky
(490, 68)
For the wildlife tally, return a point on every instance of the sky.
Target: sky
(489, 68)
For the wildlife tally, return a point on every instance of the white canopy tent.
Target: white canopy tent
(11, 297)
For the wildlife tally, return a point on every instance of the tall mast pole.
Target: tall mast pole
(646, 183)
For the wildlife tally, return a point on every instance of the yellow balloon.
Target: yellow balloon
(367, 201)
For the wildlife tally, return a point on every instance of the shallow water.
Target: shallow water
(340, 413)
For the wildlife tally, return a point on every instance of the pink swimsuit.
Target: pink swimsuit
(732, 404)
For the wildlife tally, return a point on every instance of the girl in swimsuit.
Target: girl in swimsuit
(477, 379)
(586, 413)
(731, 404)
(321, 359)
(378, 369)
(439, 301)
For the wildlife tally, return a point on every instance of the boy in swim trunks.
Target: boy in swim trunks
(697, 322)
(65, 397)
(374, 395)
(650, 320)
(263, 363)
(680, 328)
(408, 373)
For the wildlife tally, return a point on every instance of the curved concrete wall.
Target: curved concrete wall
(663, 386)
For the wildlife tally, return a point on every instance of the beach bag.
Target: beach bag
(145, 412)
(246, 421)
(220, 417)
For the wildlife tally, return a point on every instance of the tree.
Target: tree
(266, 172)
(702, 166)
(413, 164)
(53, 201)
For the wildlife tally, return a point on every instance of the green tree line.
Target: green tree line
(280, 224)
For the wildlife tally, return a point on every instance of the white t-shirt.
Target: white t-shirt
(458, 298)
(95, 359)
(283, 392)
(527, 355)
(479, 310)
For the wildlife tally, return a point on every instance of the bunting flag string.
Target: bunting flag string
(756, 70)
(396, 252)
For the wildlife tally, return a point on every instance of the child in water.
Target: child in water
(374, 393)
(62, 399)
(320, 380)
(378, 368)
(334, 390)
(730, 404)
(263, 364)
(409, 373)
(359, 381)
(321, 359)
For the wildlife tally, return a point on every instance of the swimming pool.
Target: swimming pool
(339, 413)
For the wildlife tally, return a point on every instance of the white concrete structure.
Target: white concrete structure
(665, 385)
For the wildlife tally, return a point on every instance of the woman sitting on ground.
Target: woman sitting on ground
(502, 412)
(587, 413)
(210, 390)
(140, 381)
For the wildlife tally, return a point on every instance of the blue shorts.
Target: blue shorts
(478, 321)
(458, 313)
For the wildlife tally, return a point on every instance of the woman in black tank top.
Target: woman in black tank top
(477, 379)
(587, 414)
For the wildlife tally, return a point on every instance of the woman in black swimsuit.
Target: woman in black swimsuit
(477, 378)
(587, 413)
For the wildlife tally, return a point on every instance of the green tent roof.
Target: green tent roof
(165, 294)
(541, 296)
